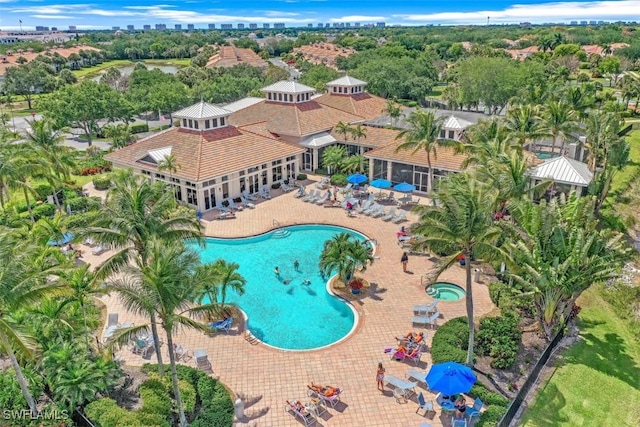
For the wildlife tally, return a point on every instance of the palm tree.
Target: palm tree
(461, 226)
(227, 276)
(169, 164)
(393, 110)
(524, 124)
(342, 129)
(352, 164)
(423, 134)
(560, 122)
(24, 272)
(358, 132)
(332, 157)
(166, 285)
(345, 255)
(580, 98)
(120, 135)
(136, 212)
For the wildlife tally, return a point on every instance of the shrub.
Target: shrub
(450, 342)
(509, 299)
(488, 397)
(275, 185)
(339, 179)
(43, 191)
(499, 338)
(321, 171)
(139, 128)
(44, 210)
(155, 397)
(491, 416)
(102, 182)
(356, 284)
(301, 176)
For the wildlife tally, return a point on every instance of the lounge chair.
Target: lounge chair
(364, 207)
(247, 203)
(89, 242)
(402, 216)
(313, 194)
(112, 319)
(390, 215)
(221, 207)
(417, 374)
(202, 360)
(181, 353)
(427, 406)
(372, 208)
(380, 212)
(98, 250)
(328, 400)
(248, 196)
(391, 197)
(321, 200)
(299, 411)
(474, 411)
(424, 310)
(222, 325)
(227, 215)
(264, 193)
(458, 422)
(301, 192)
(347, 188)
(431, 320)
(285, 187)
(232, 205)
(413, 356)
(323, 184)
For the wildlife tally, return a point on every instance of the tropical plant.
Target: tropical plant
(24, 280)
(560, 122)
(524, 124)
(120, 135)
(461, 226)
(345, 254)
(226, 277)
(332, 158)
(393, 110)
(343, 129)
(423, 134)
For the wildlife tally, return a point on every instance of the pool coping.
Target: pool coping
(442, 300)
(358, 313)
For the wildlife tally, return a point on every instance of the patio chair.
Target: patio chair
(89, 242)
(232, 205)
(458, 422)
(424, 310)
(347, 188)
(221, 207)
(323, 184)
(322, 199)
(372, 208)
(222, 325)
(418, 375)
(413, 355)
(301, 192)
(406, 387)
(112, 319)
(98, 250)
(248, 196)
(247, 203)
(427, 406)
(402, 216)
(297, 410)
(327, 400)
(390, 215)
(202, 360)
(474, 411)
(364, 207)
(380, 212)
(391, 197)
(264, 192)
(181, 353)
(431, 320)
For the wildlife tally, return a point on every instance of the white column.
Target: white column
(389, 170)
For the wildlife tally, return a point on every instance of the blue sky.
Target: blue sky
(87, 14)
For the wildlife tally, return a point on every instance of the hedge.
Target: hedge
(139, 128)
(102, 182)
(321, 171)
(44, 210)
(450, 341)
(508, 299)
(301, 177)
(499, 338)
(43, 191)
(339, 179)
(496, 405)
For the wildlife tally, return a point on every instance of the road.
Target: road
(295, 74)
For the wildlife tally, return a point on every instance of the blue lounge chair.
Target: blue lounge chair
(474, 411)
(222, 325)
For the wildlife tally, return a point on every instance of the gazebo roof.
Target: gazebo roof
(563, 170)
(346, 81)
(201, 110)
(288, 86)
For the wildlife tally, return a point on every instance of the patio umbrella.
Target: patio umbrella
(404, 187)
(357, 178)
(450, 378)
(66, 238)
(380, 183)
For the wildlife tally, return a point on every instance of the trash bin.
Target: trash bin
(476, 275)
(238, 407)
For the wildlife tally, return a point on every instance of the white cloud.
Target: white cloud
(536, 13)
(278, 13)
(358, 18)
(52, 16)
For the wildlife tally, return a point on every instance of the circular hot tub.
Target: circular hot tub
(445, 291)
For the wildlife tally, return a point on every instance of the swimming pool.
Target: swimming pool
(545, 155)
(445, 291)
(294, 316)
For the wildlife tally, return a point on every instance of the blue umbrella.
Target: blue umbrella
(66, 238)
(404, 187)
(450, 378)
(357, 178)
(380, 183)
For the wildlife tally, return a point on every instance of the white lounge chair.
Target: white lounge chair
(424, 310)
(372, 208)
(323, 184)
(202, 360)
(98, 250)
(402, 216)
(380, 212)
(347, 188)
(313, 194)
(248, 196)
(264, 193)
(247, 203)
(221, 207)
(112, 319)
(364, 207)
(301, 192)
(321, 200)
(390, 215)
(232, 205)
(431, 320)
(406, 388)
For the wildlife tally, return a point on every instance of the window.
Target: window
(146, 173)
(190, 123)
(159, 176)
(225, 190)
(443, 134)
(208, 183)
(291, 158)
(264, 166)
(225, 178)
(251, 170)
(222, 121)
(215, 123)
(192, 197)
(277, 162)
(269, 96)
(195, 123)
(335, 89)
(207, 124)
(184, 123)
(189, 184)
(241, 173)
(176, 180)
(451, 134)
(279, 97)
(277, 173)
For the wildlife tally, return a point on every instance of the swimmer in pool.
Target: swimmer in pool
(306, 282)
(286, 281)
(276, 271)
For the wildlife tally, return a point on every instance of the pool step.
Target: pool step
(281, 234)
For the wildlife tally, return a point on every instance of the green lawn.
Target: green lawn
(17, 196)
(95, 70)
(623, 178)
(597, 381)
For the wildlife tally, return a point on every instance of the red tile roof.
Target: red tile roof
(376, 137)
(205, 155)
(229, 56)
(10, 60)
(361, 104)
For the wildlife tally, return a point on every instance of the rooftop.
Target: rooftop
(346, 81)
(288, 86)
(362, 104)
(563, 170)
(201, 110)
(230, 56)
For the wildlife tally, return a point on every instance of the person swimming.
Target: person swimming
(286, 281)
(306, 282)
(296, 265)
(276, 271)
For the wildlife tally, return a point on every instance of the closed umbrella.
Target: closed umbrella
(404, 187)
(380, 183)
(357, 178)
(450, 378)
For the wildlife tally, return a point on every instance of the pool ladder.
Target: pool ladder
(281, 234)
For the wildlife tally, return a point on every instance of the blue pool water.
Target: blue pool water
(294, 316)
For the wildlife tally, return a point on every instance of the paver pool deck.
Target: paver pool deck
(264, 378)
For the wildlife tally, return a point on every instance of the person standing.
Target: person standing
(404, 260)
(296, 265)
(380, 377)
